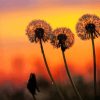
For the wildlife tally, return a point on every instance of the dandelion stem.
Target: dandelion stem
(57, 88)
(94, 62)
(70, 78)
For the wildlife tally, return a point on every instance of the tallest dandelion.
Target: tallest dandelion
(88, 27)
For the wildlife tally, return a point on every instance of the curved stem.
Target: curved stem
(42, 50)
(70, 78)
(94, 62)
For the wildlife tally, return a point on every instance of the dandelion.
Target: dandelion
(63, 38)
(38, 31)
(88, 27)
(32, 85)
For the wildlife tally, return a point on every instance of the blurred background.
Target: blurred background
(19, 57)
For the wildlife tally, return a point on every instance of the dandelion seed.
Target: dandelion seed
(52, 83)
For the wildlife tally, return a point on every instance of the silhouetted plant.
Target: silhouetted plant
(63, 38)
(88, 27)
(32, 85)
(38, 31)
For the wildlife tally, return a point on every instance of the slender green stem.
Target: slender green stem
(70, 78)
(42, 50)
(94, 62)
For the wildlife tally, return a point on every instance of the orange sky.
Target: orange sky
(14, 44)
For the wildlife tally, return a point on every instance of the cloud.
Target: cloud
(76, 2)
(15, 4)
(20, 4)
(68, 2)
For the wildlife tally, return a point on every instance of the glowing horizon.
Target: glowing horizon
(14, 43)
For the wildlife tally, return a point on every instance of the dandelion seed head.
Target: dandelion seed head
(38, 29)
(88, 25)
(62, 37)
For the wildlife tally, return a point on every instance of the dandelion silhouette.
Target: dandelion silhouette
(38, 31)
(32, 85)
(88, 27)
(63, 38)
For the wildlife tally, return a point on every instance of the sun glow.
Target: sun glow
(14, 42)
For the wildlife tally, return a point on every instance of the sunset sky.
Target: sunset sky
(19, 57)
